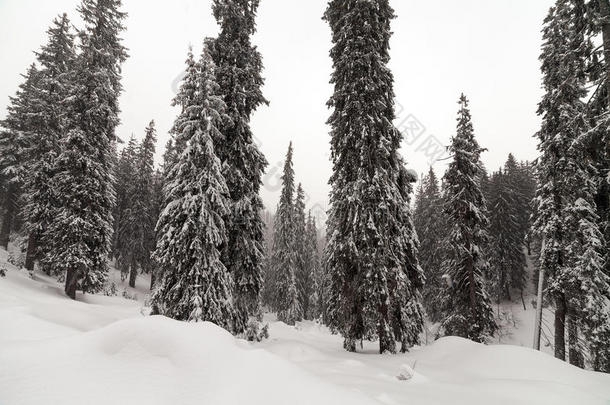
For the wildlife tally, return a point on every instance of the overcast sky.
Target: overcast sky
(487, 49)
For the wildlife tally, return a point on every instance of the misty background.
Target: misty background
(487, 49)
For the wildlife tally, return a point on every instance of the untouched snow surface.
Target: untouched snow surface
(103, 350)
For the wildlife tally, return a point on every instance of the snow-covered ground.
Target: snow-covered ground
(103, 350)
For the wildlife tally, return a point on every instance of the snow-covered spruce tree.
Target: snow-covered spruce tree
(195, 284)
(284, 257)
(123, 175)
(304, 270)
(467, 310)
(559, 173)
(371, 252)
(156, 207)
(598, 139)
(185, 99)
(508, 259)
(526, 185)
(312, 260)
(239, 66)
(56, 64)
(513, 180)
(80, 235)
(138, 224)
(13, 145)
(428, 221)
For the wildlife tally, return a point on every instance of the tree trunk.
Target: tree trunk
(30, 256)
(10, 208)
(560, 325)
(71, 282)
(133, 274)
(575, 352)
(152, 280)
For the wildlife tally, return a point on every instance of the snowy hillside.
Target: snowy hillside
(103, 350)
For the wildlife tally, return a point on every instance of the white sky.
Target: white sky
(487, 49)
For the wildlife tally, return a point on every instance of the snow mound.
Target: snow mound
(155, 360)
(101, 350)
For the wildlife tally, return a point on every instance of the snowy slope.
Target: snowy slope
(105, 351)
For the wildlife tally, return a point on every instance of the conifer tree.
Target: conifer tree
(124, 174)
(13, 146)
(138, 222)
(312, 259)
(598, 139)
(303, 274)
(239, 66)
(372, 248)
(468, 311)
(428, 221)
(508, 258)
(195, 284)
(47, 106)
(80, 235)
(559, 108)
(284, 257)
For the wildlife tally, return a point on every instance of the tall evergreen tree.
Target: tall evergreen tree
(195, 284)
(566, 212)
(239, 66)
(312, 260)
(598, 139)
(56, 60)
(284, 257)
(138, 223)
(468, 311)
(13, 146)
(124, 175)
(371, 251)
(508, 258)
(81, 233)
(303, 275)
(428, 220)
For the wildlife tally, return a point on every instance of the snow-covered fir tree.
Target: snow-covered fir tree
(138, 222)
(597, 19)
(566, 213)
(312, 262)
(372, 248)
(195, 284)
(304, 271)
(123, 175)
(507, 257)
(428, 221)
(56, 65)
(467, 308)
(13, 145)
(80, 235)
(239, 66)
(562, 122)
(285, 258)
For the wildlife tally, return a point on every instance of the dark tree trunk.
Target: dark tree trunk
(560, 325)
(71, 283)
(387, 344)
(30, 255)
(133, 274)
(575, 353)
(10, 209)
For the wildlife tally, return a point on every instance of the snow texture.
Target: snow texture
(102, 350)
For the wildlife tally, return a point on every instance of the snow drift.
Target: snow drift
(102, 350)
